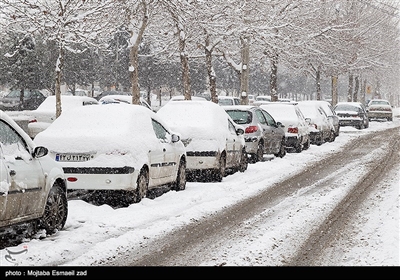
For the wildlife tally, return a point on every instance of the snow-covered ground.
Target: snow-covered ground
(93, 234)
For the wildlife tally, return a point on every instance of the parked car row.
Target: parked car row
(127, 151)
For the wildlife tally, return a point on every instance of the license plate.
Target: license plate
(73, 157)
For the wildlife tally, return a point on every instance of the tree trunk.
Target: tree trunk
(59, 67)
(363, 91)
(356, 88)
(185, 68)
(350, 89)
(134, 54)
(334, 90)
(318, 82)
(244, 77)
(134, 73)
(212, 82)
(273, 81)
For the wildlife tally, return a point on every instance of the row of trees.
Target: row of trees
(128, 41)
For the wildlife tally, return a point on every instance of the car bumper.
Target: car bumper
(379, 115)
(202, 160)
(104, 178)
(292, 141)
(350, 122)
(251, 144)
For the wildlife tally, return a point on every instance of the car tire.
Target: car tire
(219, 174)
(180, 183)
(56, 210)
(282, 150)
(299, 147)
(243, 161)
(260, 152)
(307, 144)
(142, 185)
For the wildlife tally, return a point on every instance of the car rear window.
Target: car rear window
(240, 117)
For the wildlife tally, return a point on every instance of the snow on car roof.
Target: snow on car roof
(195, 118)
(105, 128)
(67, 102)
(281, 111)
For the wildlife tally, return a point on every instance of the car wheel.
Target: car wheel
(260, 152)
(141, 186)
(307, 144)
(282, 150)
(299, 147)
(180, 183)
(243, 161)
(220, 172)
(332, 137)
(56, 210)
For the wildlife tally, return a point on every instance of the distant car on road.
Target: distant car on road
(117, 151)
(32, 186)
(12, 101)
(262, 134)
(379, 109)
(352, 114)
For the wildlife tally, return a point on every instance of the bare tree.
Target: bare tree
(67, 23)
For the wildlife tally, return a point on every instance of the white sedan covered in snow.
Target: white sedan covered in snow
(45, 114)
(213, 141)
(116, 149)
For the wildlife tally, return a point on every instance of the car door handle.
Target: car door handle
(12, 173)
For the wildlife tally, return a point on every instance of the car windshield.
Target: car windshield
(240, 117)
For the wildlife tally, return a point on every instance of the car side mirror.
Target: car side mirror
(39, 152)
(308, 121)
(175, 138)
(279, 124)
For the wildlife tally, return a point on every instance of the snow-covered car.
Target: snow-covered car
(214, 142)
(379, 109)
(32, 185)
(263, 98)
(262, 134)
(127, 99)
(297, 134)
(228, 100)
(122, 151)
(330, 112)
(251, 98)
(182, 97)
(30, 101)
(352, 114)
(45, 114)
(321, 129)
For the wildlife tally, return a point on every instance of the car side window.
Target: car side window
(261, 117)
(13, 145)
(161, 132)
(269, 118)
(231, 127)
